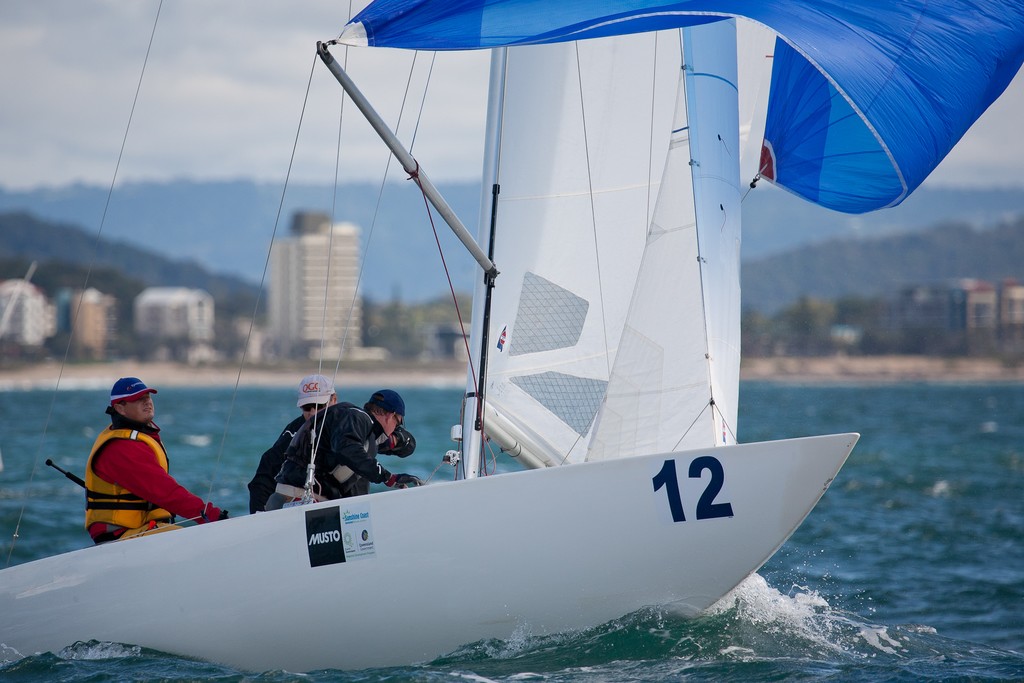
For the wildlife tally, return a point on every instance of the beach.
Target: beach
(162, 374)
(829, 370)
(881, 369)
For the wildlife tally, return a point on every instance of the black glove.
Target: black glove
(403, 481)
(401, 443)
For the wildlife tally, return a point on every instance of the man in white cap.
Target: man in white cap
(343, 443)
(128, 489)
(316, 392)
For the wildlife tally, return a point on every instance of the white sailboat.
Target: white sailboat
(609, 349)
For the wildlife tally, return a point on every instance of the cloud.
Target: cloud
(223, 91)
(226, 83)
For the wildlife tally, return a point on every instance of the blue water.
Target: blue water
(911, 567)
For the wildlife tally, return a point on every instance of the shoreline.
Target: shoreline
(881, 370)
(817, 370)
(164, 374)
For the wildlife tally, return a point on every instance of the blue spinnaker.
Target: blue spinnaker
(868, 96)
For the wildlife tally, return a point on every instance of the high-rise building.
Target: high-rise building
(315, 310)
(91, 318)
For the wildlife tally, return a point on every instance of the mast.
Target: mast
(473, 415)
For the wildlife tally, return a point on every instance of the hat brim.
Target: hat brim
(309, 400)
(132, 397)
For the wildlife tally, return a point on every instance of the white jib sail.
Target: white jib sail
(675, 382)
(585, 130)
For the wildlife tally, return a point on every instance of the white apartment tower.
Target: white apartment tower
(174, 313)
(311, 316)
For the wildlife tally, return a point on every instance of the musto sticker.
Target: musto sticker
(323, 537)
(339, 534)
(705, 494)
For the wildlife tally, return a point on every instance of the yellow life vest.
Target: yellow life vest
(112, 504)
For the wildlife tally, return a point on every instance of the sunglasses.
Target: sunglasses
(313, 407)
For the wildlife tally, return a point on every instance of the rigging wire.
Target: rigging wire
(593, 225)
(318, 435)
(266, 266)
(440, 249)
(415, 177)
(334, 208)
(379, 200)
(308, 493)
(88, 275)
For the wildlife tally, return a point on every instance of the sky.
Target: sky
(225, 89)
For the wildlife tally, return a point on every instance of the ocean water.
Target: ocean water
(910, 568)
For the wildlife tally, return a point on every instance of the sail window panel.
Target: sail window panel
(549, 317)
(574, 400)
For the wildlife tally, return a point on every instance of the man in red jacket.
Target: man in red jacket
(129, 491)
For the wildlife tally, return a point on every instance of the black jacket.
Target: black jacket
(344, 436)
(262, 484)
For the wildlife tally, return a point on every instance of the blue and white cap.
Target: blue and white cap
(129, 389)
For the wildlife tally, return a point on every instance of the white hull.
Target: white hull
(444, 565)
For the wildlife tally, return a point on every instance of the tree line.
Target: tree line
(807, 327)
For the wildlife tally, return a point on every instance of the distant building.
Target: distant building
(314, 304)
(443, 342)
(1011, 317)
(26, 316)
(176, 323)
(958, 316)
(90, 317)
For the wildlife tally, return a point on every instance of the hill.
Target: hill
(227, 227)
(883, 265)
(29, 238)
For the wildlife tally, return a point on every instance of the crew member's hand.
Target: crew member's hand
(211, 513)
(403, 481)
(401, 442)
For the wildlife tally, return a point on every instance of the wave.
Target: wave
(756, 632)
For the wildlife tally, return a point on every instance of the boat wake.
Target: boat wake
(756, 630)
